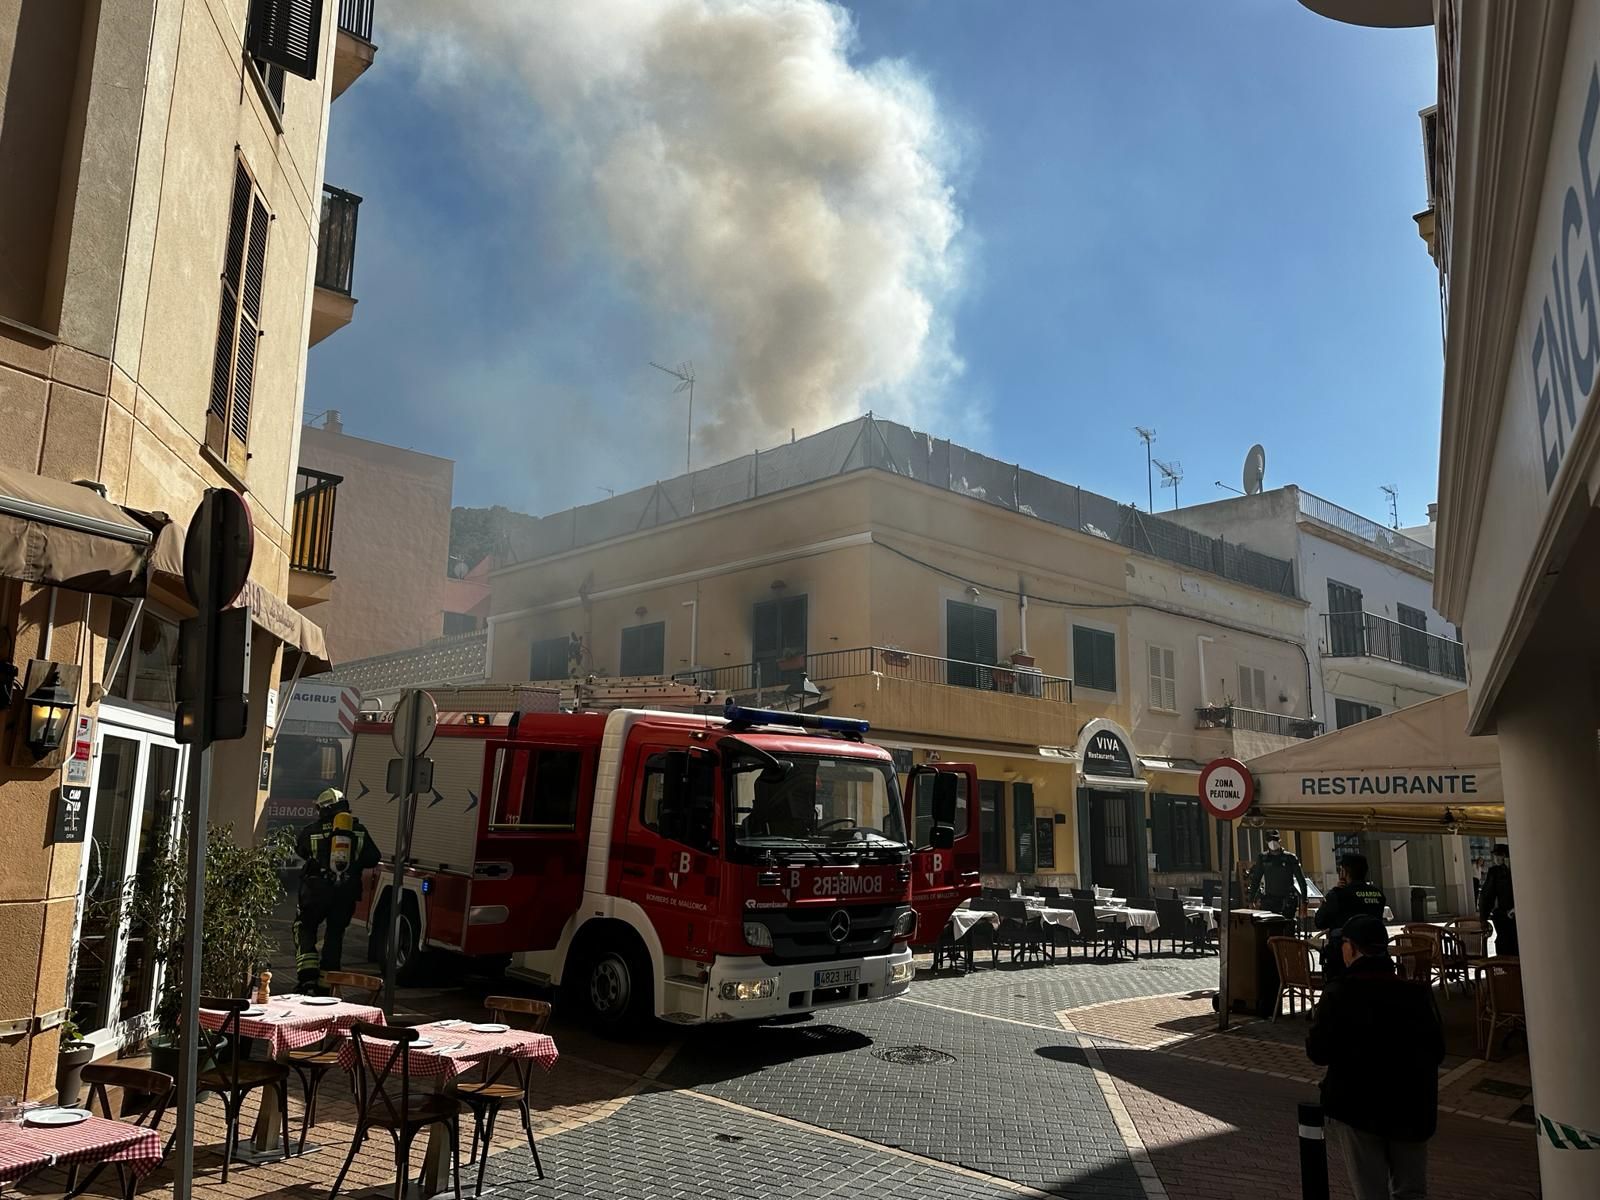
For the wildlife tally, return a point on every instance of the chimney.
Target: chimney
(1433, 513)
(331, 422)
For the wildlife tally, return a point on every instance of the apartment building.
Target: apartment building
(1376, 643)
(168, 252)
(969, 609)
(388, 555)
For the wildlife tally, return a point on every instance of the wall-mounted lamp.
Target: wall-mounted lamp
(972, 590)
(50, 694)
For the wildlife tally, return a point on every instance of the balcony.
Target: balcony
(912, 693)
(1254, 720)
(332, 306)
(1368, 532)
(311, 537)
(1396, 653)
(353, 52)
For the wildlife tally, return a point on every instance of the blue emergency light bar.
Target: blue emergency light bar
(738, 714)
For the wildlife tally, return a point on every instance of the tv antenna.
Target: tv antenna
(1255, 469)
(1171, 476)
(1147, 436)
(1392, 491)
(684, 374)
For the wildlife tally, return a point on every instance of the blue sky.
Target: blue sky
(1191, 217)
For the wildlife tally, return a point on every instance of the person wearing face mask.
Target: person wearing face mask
(1354, 896)
(1273, 879)
(1496, 903)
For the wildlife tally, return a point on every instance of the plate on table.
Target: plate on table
(320, 1001)
(55, 1116)
(490, 1027)
(255, 1010)
(421, 1044)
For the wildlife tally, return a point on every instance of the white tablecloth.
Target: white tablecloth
(1204, 912)
(1134, 918)
(963, 919)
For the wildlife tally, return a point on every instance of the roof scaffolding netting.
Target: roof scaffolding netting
(869, 443)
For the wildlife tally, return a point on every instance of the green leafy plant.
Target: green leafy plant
(243, 887)
(69, 1030)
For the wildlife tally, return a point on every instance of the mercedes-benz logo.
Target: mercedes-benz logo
(839, 926)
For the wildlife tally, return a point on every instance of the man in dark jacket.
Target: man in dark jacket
(1496, 902)
(1274, 877)
(337, 850)
(1380, 1038)
(1354, 895)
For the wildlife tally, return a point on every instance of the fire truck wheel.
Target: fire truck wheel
(616, 986)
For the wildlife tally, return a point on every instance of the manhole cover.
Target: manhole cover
(913, 1056)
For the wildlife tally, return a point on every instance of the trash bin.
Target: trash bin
(1252, 971)
(1424, 903)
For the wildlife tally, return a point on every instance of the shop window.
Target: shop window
(1094, 658)
(644, 649)
(1180, 835)
(991, 825)
(1163, 678)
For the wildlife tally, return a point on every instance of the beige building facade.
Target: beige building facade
(390, 549)
(167, 254)
(1016, 628)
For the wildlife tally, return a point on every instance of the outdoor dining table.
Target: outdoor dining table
(457, 1049)
(28, 1149)
(287, 1022)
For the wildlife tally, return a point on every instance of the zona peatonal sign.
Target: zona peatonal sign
(1227, 788)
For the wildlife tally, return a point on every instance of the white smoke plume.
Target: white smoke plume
(788, 205)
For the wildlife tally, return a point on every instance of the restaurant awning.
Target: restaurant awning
(69, 536)
(289, 625)
(1414, 770)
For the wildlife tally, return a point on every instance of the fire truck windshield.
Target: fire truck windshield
(813, 801)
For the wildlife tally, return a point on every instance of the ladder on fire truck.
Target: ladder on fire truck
(587, 695)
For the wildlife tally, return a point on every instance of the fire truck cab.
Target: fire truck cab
(691, 867)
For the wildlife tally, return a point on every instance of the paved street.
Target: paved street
(1096, 1080)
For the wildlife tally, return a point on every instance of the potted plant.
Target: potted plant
(1215, 716)
(76, 1053)
(243, 887)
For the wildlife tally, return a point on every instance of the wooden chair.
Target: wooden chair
(227, 1072)
(505, 1081)
(145, 1097)
(311, 1063)
(1297, 974)
(385, 1100)
(1413, 957)
(1500, 1004)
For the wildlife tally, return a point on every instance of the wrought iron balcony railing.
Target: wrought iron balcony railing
(355, 16)
(1367, 635)
(777, 674)
(336, 246)
(311, 533)
(1231, 716)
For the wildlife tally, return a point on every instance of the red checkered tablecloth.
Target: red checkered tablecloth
(457, 1049)
(19, 1158)
(289, 1024)
(96, 1140)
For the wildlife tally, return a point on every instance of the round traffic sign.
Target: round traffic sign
(218, 548)
(424, 709)
(1227, 788)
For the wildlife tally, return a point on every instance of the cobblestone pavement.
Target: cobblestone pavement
(1036, 994)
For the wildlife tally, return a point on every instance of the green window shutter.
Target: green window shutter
(1161, 819)
(287, 33)
(959, 633)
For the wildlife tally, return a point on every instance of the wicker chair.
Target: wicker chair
(1413, 956)
(1298, 977)
(1472, 941)
(1436, 941)
(1500, 1006)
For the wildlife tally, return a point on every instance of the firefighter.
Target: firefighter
(337, 850)
(1355, 895)
(1273, 878)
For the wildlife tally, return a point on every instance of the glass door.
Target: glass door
(136, 800)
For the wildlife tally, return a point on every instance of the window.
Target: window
(233, 366)
(456, 624)
(778, 636)
(1252, 688)
(540, 791)
(549, 658)
(272, 77)
(971, 635)
(644, 649)
(1346, 625)
(148, 671)
(923, 815)
(1022, 826)
(1353, 712)
(1094, 658)
(287, 34)
(991, 825)
(1180, 833)
(1163, 678)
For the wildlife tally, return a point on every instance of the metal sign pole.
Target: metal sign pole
(411, 703)
(1224, 997)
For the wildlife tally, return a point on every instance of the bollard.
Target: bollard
(1313, 1154)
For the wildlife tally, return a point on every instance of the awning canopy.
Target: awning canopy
(69, 536)
(287, 624)
(1414, 770)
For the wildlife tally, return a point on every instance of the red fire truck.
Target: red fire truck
(694, 868)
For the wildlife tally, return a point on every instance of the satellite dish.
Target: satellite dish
(1255, 466)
